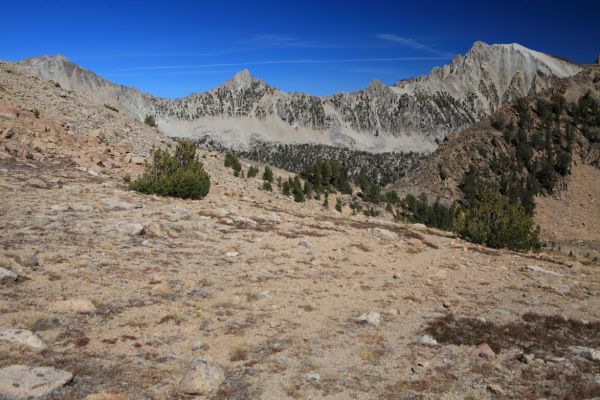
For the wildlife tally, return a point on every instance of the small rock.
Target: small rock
(586, 352)
(60, 207)
(312, 377)
(25, 258)
(446, 304)
(106, 396)
(137, 160)
(24, 337)
(221, 212)
(305, 243)
(26, 382)
(266, 293)
(7, 275)
(116, 204)
(562, 289)
(371, 318)
(532, 301)
(383, 234)
(244, 220)
(201, 377)
(526, 358)
(37, 183)
(495, 389)
(4, 261)
(483, 351)
(81, 207)
(130, 228)
(393, 312)
(90, 171)
(81, 306)
(419, 227)
(426, 340)
(537, 268)
(433, 315)
(283, 360)
(197, 345)
(232, 254)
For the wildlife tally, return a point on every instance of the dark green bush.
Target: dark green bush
(297, 190)
(496, 222)
(267, 186)
(268, 174)
(371, 191)
(150, 121)
(338, 204)
(179, 175)
(231, 161)
(252, 171)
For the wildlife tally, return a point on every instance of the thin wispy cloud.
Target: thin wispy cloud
(412, 43)
(264, 41)
(270, 62)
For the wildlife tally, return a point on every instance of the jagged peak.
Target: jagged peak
(375, 84)
(240, 80)
(45, 58)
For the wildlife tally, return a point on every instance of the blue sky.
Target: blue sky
(172, 48)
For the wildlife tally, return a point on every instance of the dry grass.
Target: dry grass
(239, 353)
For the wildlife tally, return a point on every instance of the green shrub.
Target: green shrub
(150, 121)
(326, 201)
(286, 187)
(178, 175)
(267, 186)
(496, 222)
(231, 161)
(371, 191)
(338, 204)
(268, 174)
(252, 171)
(297, 190)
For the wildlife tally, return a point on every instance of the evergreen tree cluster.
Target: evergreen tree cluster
(381, 168)
(327, 175)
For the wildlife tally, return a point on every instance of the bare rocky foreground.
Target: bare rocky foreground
(246, 294)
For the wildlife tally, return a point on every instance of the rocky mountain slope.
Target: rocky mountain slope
(106, 293)
(497, 154)
(408, 116)
(42, 121)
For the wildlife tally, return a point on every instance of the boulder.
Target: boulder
(8, 111)
(21, 382)
(117, 204)
(130, 228)
(24, 337)
(483, 351)
(201, 378)
(81, 306)
(7, 275)
(370, 318)
(24, 257)
(383, 234)
(586, 352)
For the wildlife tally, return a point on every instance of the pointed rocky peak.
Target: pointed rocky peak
(56, 58)
(375, 84)
(240, 80)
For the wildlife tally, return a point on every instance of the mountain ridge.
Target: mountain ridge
(411, 115)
